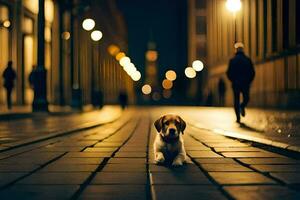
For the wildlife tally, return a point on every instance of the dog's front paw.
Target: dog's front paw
(177, 163)
(159, 159)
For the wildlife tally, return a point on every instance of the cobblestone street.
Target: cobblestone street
(115, 161)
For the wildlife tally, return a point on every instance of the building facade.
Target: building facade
(78, 69)
(270, 32)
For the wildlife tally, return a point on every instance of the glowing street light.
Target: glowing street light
(6, 23)
(146, 89)
(113, 49)
(96, 35)
(190, 72)
(124, 61)
(171, 75)
(136, 76)
(233, 5)
(88, 24)
(197, 65)
(120, 55)
(167, 84)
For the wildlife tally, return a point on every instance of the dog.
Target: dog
(168, 144)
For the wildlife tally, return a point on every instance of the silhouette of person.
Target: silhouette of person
(221, 90)
(123, 99)
(241, 73)
(9, 76)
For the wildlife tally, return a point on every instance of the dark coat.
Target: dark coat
(240, 70)
(9, 76)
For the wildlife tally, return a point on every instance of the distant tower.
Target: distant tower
(151, 65)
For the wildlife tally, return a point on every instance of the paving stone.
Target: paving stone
(226, 144)
(238, 149)
(108, 144)
(58, 149)
(261, 192)
(99, 149)
(8, 177)
(225, 178)
(191, 178)
(130, 154)
(225, 167)
(277, 168)
(69, 168)
(37, 192)
(184, 192)
(182, 169)
(17, 168)
(197, 148)
(250, 155)
(79, 160)
(137, 178)
(127, 160)
(69, 178)
(203, 154)
(288, 177)
(113, 192)
(87, 155)
(215, 160)
(258, 161)
(130, 167)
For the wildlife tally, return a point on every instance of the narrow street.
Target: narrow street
(114, 160)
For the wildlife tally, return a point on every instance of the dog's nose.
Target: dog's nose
(172, 131)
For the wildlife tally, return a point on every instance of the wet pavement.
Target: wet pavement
(115, 161)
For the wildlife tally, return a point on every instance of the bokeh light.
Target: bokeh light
(66, 35)
(171, 75)
(96, 35)
(190, 72)
(136, 76)
(6, 23)
(233, 5)
(146, 89)
(167, 84)
(113, 49)
(120, 55)
(198, 65)
(88, 24)
(151, 55)
(167, 94)
(124, 61)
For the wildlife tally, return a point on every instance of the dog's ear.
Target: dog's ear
(182, 125)
(158, 124)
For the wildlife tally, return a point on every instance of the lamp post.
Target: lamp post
(234, 6)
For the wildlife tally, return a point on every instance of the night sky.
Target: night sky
(165, 22)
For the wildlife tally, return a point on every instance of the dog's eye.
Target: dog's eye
(166, 123)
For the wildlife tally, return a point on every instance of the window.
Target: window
(201, 25)
(201, 4)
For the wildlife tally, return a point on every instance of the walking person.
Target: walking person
(241, 73)
(9, 76)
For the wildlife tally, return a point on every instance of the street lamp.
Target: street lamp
(190, 72)
(88, 24)
(96, 35)
(197, 65)
(234, 6)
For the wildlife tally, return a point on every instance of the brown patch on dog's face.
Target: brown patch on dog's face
(170, 125)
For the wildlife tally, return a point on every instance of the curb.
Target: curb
(82, 127)
(241, 136)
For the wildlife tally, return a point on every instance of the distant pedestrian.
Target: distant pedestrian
(123, 99)
(241, 73)
(222, 91)
(9, 76)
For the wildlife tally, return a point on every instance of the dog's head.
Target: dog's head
(170, 126)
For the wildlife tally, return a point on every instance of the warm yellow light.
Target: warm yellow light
(120, 55)
(151, 55)
(96, 35)
(167, 94)
(6, 23)
(66, 35)
(198, 65)
(113, 49)
(190, 72)
(167, 84)
(130, 69)
(88, 24)
(233, 5)
(49, 10)
(171, 75)
(146, 89)
(136, 76)
(124, 61)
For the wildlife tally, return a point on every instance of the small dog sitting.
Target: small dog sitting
(168, 145)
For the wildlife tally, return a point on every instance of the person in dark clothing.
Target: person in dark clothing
(123, 99)
(9, 76)
(241, 73)
(221, 90)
